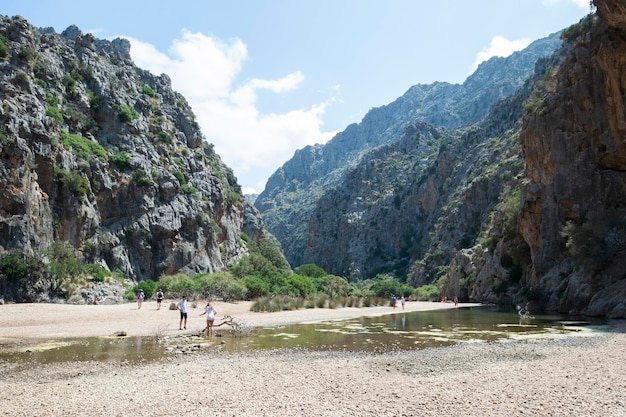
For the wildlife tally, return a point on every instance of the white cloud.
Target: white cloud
(500, 46)
(287, 83)
(246, 94)
(205, 70)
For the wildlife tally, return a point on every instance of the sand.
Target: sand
(25, 323)
(576, 376)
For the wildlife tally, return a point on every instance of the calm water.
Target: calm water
(415, 330)
(131, 350)
(400, 331)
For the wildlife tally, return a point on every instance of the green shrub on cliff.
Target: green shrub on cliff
(126, 114)
(121, 159)
(55, 114)
(83, 147)
(141, 178)
(74, 181)
(578, 29)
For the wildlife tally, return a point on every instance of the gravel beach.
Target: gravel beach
(574, 376)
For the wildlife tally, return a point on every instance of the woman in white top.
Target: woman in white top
(210, 318)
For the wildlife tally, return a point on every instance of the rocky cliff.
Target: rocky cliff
(408, 207)
(571, 224)
(106, 157)
(573, 214)
(293, 190)
(527, 204)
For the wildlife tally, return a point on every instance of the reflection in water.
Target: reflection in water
(138, 344)
(131, 350)
(418, 330)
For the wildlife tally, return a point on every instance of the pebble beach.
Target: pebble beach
(573, 376)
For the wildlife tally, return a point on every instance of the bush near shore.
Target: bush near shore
(285, 292)
(283, 303)
(261, 275)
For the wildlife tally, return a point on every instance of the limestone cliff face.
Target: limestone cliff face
(105, 156)
(574, 195)
(567, 251)
(408, 207)
(362, 227)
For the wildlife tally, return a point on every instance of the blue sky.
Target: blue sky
(268, 77)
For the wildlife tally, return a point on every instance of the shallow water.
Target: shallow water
(398, 331)
(415, 330)
(131, 350)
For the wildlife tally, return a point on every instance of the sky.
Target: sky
(268, 77)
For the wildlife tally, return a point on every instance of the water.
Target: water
(415, 330)
(399, 331)
(131, 350)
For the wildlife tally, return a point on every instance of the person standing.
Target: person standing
(159, 296)
(210, 318)
(140, 297)
(182, 307)
(402, 302)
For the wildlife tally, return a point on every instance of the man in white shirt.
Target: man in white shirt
(182, 307)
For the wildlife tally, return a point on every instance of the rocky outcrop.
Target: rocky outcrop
(573, 213)
(105, 156)
(568, 249)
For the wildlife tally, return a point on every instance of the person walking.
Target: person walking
(159, 296)
(210, 318)
(182, 307)
(140, 297)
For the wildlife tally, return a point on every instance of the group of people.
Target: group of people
(209, 311)
(394, 301)
(181, 306)
(141, 296)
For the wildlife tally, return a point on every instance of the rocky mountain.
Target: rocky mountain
(409, 206)
(293, 190)
(104, 156)
(525, 204)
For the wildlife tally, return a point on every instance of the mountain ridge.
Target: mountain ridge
(525, 206)
(291, 192)
(103, 160)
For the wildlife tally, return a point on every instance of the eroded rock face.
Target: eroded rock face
(574, 191)
(107, 157)
(613, 12)
(292, 194)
